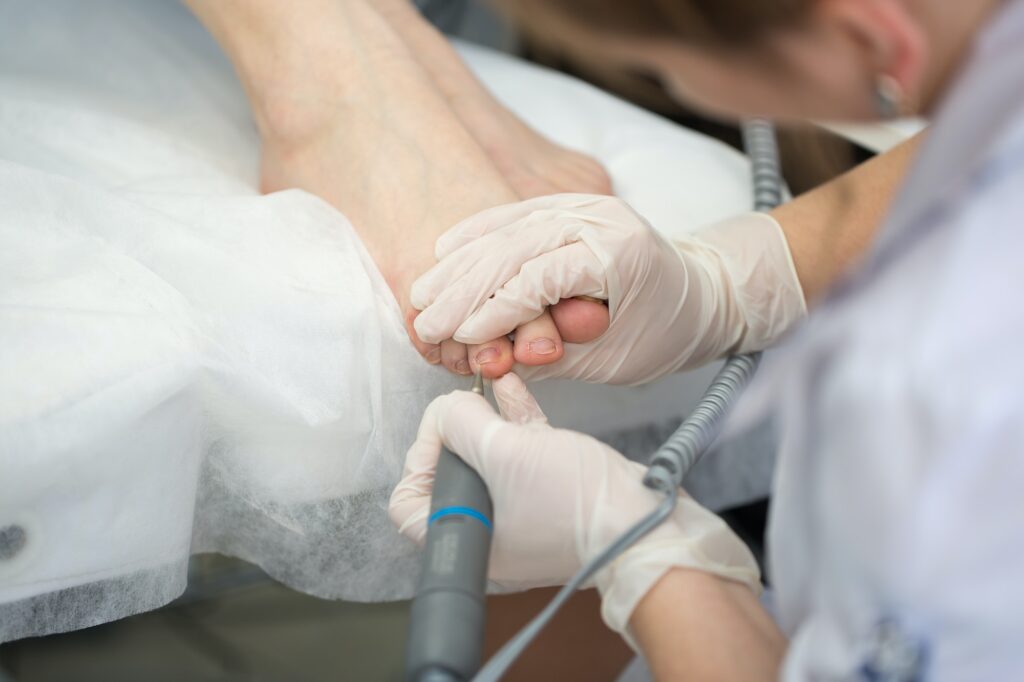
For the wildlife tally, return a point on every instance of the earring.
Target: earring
(888, 96)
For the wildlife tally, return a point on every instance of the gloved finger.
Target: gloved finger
(461, 420)
(467, 423)
(497, 253)
(410, 500)
(489, 262)
(570, 271)
(492, 358)
(454, 358)
(538, 342)
(515, 402)
(500, 252)
(430, 351)
(495, 218)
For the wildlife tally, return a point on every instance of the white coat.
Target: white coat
(897, 533)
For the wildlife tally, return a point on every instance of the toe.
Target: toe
(579, 320)
(454, 357)
(430, 351)
(538, 342)
(492, 359)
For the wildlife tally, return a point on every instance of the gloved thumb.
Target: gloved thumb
(460, 419)
(515, 402)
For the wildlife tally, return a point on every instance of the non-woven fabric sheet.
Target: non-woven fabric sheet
(190, 366)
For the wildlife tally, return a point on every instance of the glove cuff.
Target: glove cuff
(763, 298)
(702, 542)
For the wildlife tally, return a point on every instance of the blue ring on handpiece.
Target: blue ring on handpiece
(460, 511)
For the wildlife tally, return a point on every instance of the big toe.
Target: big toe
(579, 320)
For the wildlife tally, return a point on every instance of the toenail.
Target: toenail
(462, 366)
(433, 355)
(542, 346)
(487, 355)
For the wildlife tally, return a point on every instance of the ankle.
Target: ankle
(297, 87)
(294, 115)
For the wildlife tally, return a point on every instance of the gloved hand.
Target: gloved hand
(726, 289)
(560, 497)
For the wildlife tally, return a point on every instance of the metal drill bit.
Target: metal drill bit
(478, 384)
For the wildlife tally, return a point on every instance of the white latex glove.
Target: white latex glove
(726, 289)
(560, 497)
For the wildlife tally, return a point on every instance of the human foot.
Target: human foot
(531, 164)
(380, 143)
(403, 255)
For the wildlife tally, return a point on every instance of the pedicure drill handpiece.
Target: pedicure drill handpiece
(447, 620)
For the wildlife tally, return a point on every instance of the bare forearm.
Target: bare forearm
(829, 228)
(697, 626)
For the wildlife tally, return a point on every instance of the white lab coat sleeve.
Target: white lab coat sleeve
(944, 599)
(915, 496)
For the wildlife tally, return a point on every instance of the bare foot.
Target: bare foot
(382, 144)
(531, 164)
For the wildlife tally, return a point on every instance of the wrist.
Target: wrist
(694, 625)
(692, 538)
(760, 297)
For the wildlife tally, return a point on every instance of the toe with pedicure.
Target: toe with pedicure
(453, 356)
(493, 359)
(487, 356)
(580, 321)
(427, 350)
(542, 346)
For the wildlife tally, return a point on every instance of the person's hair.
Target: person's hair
(709, 22)
(702, 23)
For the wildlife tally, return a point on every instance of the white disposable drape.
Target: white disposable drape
(189, 366)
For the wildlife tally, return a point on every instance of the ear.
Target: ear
(892, 38)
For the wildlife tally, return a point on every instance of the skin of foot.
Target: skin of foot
(531, 164)
(348, 113)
